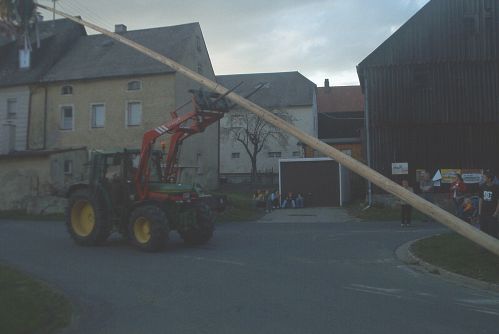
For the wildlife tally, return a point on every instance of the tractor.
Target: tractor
(136, 192)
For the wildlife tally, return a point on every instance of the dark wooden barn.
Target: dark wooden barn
(432, 89)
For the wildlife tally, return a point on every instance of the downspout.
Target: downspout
(45, 119)
(29, 119)
(368, 142)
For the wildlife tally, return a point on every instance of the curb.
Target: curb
(405, 254)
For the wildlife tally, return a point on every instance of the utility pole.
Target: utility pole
(440, 215)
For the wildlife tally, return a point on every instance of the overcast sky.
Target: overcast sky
(319, 38)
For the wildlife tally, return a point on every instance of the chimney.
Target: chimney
(120, 28)
(327, 86)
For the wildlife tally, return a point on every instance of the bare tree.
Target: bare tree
(254, 133)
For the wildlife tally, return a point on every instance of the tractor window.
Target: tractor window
(155, 169)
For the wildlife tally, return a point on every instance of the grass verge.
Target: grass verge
(28, 306)
(240, 207)
(459, 255)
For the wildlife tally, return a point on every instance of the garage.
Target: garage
(322, 182)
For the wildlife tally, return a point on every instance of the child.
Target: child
(468, 210)
(406, 208)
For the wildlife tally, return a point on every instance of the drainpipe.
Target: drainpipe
(45, 119)
(28, 130)
(368, 142)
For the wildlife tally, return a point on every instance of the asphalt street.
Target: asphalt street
(272, 276)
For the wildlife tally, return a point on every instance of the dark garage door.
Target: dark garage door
(317, 181)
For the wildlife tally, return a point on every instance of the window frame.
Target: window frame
(10, 101)
(235, 155)
(127, 118)
(68, 171)
(132, 82)
(61, 117)
(92, 105)
(275, 154)
(71, 89)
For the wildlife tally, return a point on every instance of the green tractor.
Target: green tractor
(136, 192)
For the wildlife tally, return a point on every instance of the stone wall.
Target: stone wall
(34, 182)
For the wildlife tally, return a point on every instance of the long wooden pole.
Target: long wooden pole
(381, 181)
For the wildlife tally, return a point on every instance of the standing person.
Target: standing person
(426, 187)
(299, 201)
(488, 207)
(458, 190)
(406, 208)
(276, 203)
(268, 201)
(288, 200)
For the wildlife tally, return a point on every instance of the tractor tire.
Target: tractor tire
(86, 219)
(148, 228)
(202, 231)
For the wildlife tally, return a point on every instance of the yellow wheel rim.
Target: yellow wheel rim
(83, 218)
(142, 230)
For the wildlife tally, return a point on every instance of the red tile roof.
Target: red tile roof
(340, 99)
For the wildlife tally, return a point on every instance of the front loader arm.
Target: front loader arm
(206, 111)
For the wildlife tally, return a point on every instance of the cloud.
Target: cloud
(319, 38)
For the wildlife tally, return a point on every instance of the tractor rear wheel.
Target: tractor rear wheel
(202, 231)
(86, 219)
(148, 228)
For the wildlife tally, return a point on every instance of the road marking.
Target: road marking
(222, 261)
(373, 291)
(481, 301)
(480, 309)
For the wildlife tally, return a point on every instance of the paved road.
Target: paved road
(271, 276)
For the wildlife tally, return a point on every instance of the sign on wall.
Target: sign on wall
(472, 175)
(400, 168)
(448, 175)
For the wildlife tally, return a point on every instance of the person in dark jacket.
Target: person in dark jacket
(458, 191)
(488, 207)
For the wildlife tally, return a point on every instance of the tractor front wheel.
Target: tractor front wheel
(86, 219)
(202, 231)
(148, 228)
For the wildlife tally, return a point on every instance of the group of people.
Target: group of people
(483, 207)
(273, 200)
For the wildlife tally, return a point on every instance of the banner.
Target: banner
(400, 168)
(471, 176)
(448, 175)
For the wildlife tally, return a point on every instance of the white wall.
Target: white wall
(21, 96)
(302, 117)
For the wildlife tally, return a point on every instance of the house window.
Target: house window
(68, 167)
(11, 109)
(67, 118)
(296, 154)
(200, 68)
(135, 85)
(236, 155)
(275, 154)
(67, 90)
(237, 121)
(98, 115)
(134, 113)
